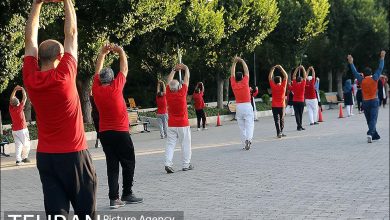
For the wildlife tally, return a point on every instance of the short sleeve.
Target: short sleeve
(67, 66)
(246, 79)
(96, 80)
(184, 89)
(120, 81)
(271, 83)
(284, 83)
(30, 66)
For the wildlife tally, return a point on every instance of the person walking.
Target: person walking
(178, 125)
(369, 84)
(114, 126)
(278, 88)
(298, 88)
(199, 105)
(63, 161)
(162, 113)
(19, 126)
(244, 110)
(348, 97)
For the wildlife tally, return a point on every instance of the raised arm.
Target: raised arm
(31, 31)
(158, 86)
(294, 76)
(202, 87)
(186, 75)
(101, 57)
(353, 68)
(246, 70)
(123, 66)
(70, 29)
(233, 68)
(17, 88)
(171, 75)
(271, 73)
(284, 73)
(311, 69)
(164, 89)
(304, 72)
(24, 99)
(381, 66)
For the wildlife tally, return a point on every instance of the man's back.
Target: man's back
(54, 96)
(177, 107)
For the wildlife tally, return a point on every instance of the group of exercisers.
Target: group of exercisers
(65, 166)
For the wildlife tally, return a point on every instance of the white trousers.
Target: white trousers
(21, 139)
(182, 135)
(162, 120)
(254, 109)
(349, 110)
(244, 116)
(312, 109)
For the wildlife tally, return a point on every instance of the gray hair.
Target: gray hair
(106, 75)
(15, 101)
(174, 85)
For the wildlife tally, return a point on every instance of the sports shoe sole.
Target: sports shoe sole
(169, 169)
(117, 206)
(369, 139)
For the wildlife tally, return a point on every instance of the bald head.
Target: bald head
(49, 51)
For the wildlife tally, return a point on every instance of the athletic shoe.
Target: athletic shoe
(115, 204)
(162, 137)
(311, 123)
(26, 160)
(198, 129)
(247, 145)
(132, 199)
(283, 135)
(190, 167)
(303, 128)
(169, 169)
(316, 123)
(299, 129)
(279, 136)
(369, 139)
(19, 163)
(205, 129)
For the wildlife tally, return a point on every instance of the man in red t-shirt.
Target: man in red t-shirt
(63, 161)
(311, 97)
(199, 105)
(162, 113)
(278, 88)
(298, 88)
(19, 126)
(114, 126)
(244, 110)
(178, 124)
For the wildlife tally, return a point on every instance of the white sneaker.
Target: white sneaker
(205, 128)
(19, 163)
(198, 129)
(369, 139)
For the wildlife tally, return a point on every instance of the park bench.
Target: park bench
(134, 120)
(331, 99)
(232, 109)
(132, 104)
(3, 142)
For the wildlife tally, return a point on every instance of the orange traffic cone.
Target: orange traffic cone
(320, 115)
(218, 121)
(341, 112)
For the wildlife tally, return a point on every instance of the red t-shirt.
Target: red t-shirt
(310, 90)
(241, 89)
(278, 93)
(299, 90)
(161, 104)
(198, 100)
(110, 104)
(17, 116)
(177, 107)
(54, 96)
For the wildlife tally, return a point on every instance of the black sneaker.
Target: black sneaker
(279, 136)
(169, 169)
(19, 163)
(115, 204)
(299, 129)
(190, 167)
(311, 123)
(131, 199)
(316, 123)
(26, 160)
(247, 145)
(303, 128)
(283, 135)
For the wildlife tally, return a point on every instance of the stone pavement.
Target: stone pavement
(325, 172)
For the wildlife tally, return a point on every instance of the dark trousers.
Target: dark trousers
(359, 99)
(96, 125)
(371, 108)
(278, 113)
(118, 148)
(68, 178)
(201, 115)
(298, 109)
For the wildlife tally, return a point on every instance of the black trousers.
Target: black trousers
(278, 113)
(298, 109)
(201, 115)
(96, 125)
(68, 178)
(119, 149)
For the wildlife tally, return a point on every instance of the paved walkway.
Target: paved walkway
(325, 172)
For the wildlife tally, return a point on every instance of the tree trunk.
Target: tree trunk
(84, 91)
(226, 90)
(339, 79)
(1, 125)
(330, 81)
(27, 110)
(219, 91)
